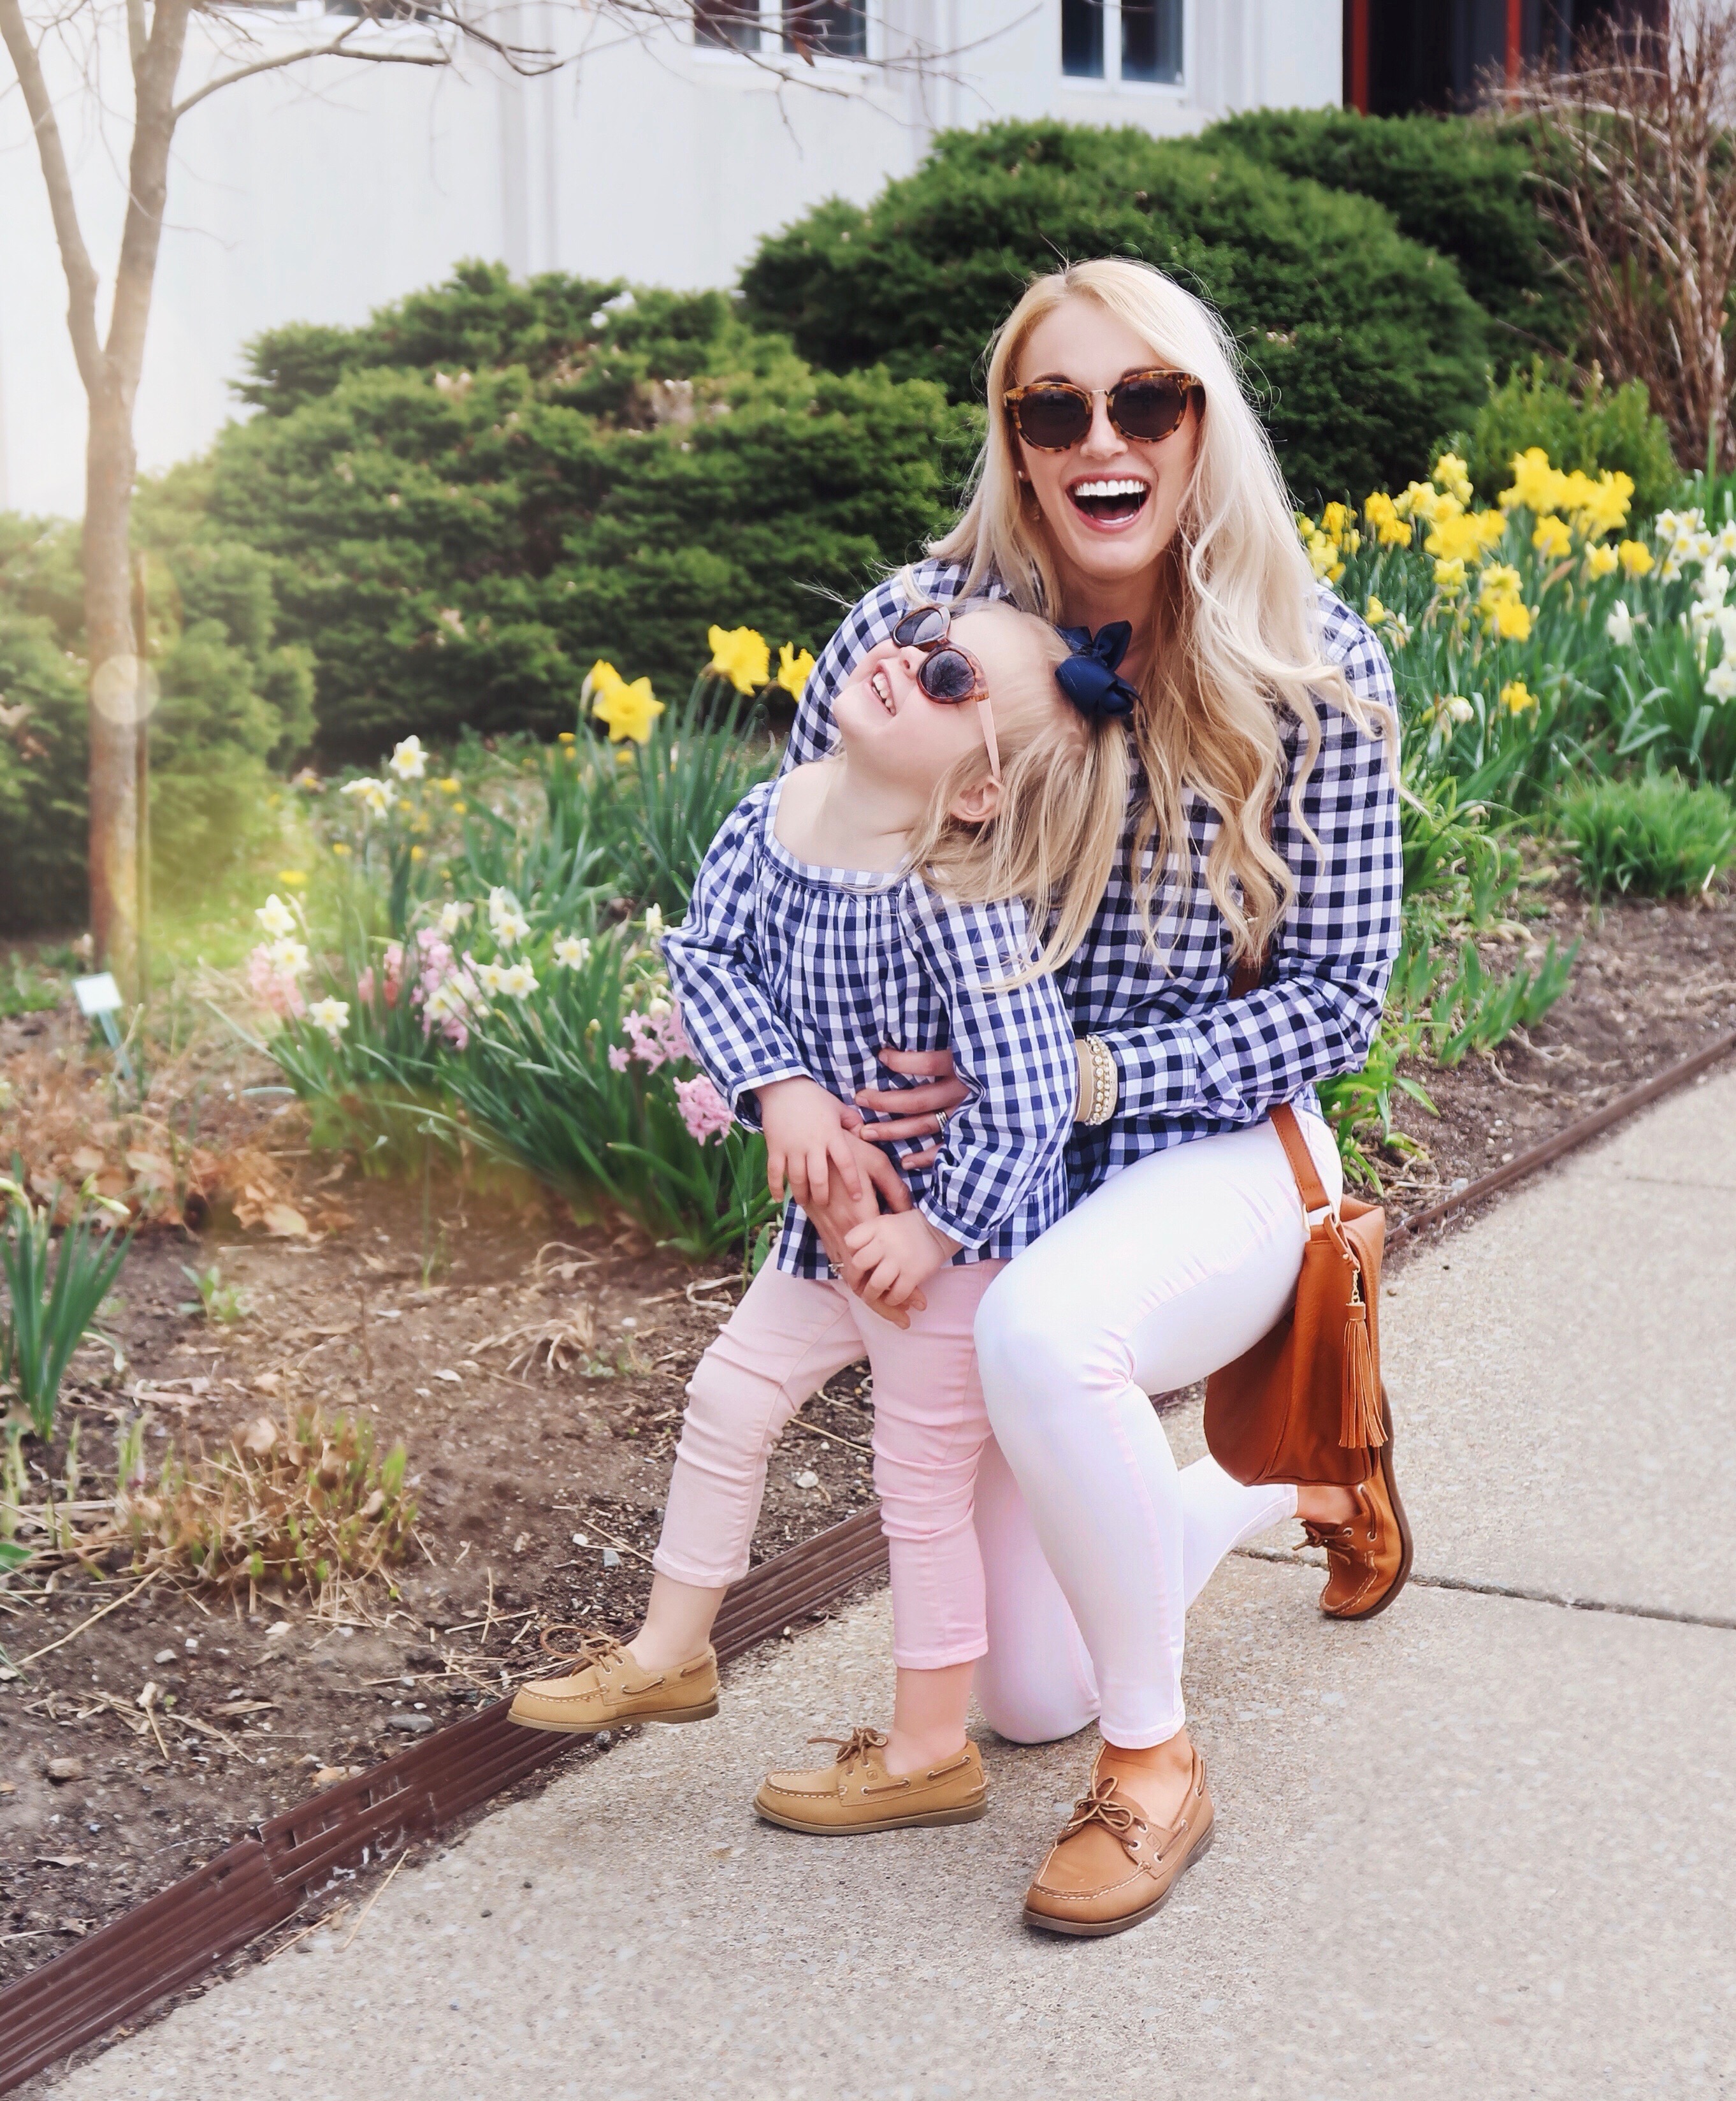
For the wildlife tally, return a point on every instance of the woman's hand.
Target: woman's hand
(914, 1112)
(837, 1218)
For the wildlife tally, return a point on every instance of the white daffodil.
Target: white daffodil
(409, 762)
(501, 900)
(492, 977)
(653, 921)
(333, 1015)
(1620, 625)
(517, 980)
(510, 928)
(1714, 585)
(573, 951)
(1720, 681)
(657, 1008)
(289, 958)
(446, 1003)
(452, 916)
(377, 796)
(1457, 708)
(276, 917)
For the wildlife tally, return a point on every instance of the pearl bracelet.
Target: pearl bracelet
(1105, 1083)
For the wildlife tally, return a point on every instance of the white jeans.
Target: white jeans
(1094, 1542)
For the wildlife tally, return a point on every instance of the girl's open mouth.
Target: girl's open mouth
(881, 686)
(1110, 501)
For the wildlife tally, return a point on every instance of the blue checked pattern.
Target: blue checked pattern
(783, 969)
(1193, 1061)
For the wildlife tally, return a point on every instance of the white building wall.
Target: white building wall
(318, 195)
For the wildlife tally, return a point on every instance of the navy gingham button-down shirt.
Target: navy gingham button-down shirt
(1193, 1061)
(783, 969)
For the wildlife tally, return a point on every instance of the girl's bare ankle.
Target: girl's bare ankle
(909, 1754)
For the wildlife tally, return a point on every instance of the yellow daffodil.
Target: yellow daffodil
(1536, 484)
(740, 655)
(340, 849)
(627, 711)
(292, 878)
(1551, 539)
(1388, 528)
(1511, 619)
(794, 667)
(450, 786)
(1601, 561)
(418, 853)
(1517, 696)
(1376, 612)
(458, 809)
(565, 737)
(1449, 575)
(1452, 474)
(1634, 557)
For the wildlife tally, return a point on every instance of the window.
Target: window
(1135, 41)
(729, 26)
(1082, 38)
(1151, 40)
(837, 29)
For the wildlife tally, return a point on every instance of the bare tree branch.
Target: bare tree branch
(75, 258)
(339, 46)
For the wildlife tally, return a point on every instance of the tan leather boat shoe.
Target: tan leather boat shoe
(857, 1794)
(1110, 1869)
(1368, 1560)
(609, 1687)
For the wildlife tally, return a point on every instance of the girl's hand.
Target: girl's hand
(898, 1255)
(914, 1112)
(808, 1135)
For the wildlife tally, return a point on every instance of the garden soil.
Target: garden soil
(535, 1374)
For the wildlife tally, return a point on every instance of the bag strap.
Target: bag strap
(1243, 979)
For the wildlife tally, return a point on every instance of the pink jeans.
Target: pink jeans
(786, 1339)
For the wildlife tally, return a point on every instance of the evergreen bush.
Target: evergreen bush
(1361, 345)
(457, 539)
(1459, 185)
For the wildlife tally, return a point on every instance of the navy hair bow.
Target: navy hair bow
(1088, 678)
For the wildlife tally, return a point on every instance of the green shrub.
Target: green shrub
(457, 542)
(1363, 344)
(1459, 185)
(233, 704)
(1655, 835)
(1591, 429)
(43, 757)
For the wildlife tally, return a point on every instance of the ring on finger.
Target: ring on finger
(940, 1122)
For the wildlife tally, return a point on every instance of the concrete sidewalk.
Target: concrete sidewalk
(1484, 1846)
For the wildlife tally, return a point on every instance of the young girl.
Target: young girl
(915, 888)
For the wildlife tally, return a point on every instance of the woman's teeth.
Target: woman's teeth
(1108, 500)
(881, 687)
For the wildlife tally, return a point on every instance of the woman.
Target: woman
(1125, 479)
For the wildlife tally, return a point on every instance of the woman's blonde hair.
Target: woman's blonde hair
(1233, 624)
(1064, 780)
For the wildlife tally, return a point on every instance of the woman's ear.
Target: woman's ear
(977, 804)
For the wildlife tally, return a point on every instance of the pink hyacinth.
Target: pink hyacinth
(273, 988)
(617, 1058)
(365, 986)
(703, 1109)
(653, 1040)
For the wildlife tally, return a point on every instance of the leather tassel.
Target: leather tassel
(1359, 1426)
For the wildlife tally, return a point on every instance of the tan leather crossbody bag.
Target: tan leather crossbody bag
(1305, 1403)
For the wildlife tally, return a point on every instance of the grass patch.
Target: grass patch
(1653, 837)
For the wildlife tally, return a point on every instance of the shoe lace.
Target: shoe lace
(594, 1647)
(1104, 1805)
(855, 1746)
(1335, 1538)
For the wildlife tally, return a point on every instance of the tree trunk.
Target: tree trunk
(116, 687)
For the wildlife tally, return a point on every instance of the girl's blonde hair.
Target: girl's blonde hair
(1233, 628)
(1064, 782)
